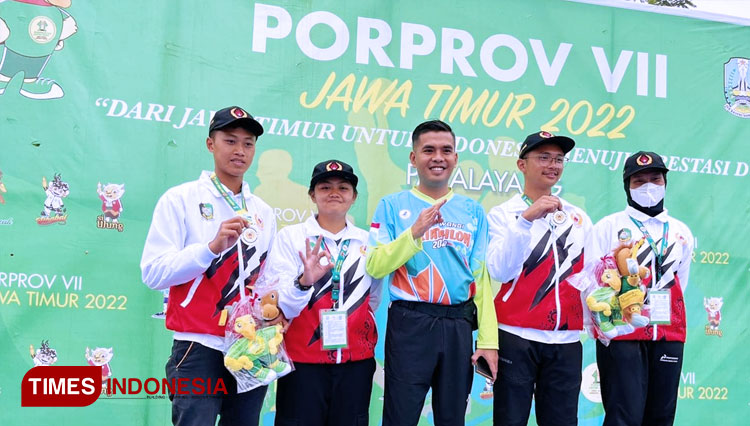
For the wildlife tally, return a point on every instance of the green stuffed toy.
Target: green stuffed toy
(617, 303)
(256, 351)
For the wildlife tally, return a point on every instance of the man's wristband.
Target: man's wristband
(301, 286)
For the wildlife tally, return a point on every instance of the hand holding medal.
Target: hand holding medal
(543, 206)
(229, 231)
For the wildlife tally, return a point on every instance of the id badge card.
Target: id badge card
(333, 329)
(661, 307)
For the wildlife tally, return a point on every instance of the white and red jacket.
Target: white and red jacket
(675, 266)
(176, 256)
(533, 261)
(359, 293)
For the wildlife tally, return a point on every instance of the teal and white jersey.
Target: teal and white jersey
(443, 265)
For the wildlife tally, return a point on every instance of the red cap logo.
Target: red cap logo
(644, 160)
(238, 113)
(333, 166)
(546, 134)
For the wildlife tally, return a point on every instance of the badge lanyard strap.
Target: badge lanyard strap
(659, 256)
(228, 198)
(336, 272)
(241, 211)
(552, 227)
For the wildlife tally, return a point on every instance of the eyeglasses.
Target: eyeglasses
(546, 159)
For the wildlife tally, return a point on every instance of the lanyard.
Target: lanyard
(527, 199)
(659, 256)
(228, 198)
(336, 272)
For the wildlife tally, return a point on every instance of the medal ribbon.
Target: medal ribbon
(659, 256)
(228, 198)
(336, 272)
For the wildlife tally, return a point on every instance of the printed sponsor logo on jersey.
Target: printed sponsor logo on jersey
(449, 234)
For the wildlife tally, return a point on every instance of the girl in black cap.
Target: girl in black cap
(330, 299)
(640, 370)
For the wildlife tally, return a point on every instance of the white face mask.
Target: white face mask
(648, 194)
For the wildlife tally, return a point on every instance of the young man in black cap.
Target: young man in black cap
(332, 336)
(429, 244)
(640, 371)
(536, 244)
(192, 250)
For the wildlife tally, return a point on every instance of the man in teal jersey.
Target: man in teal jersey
(429, 245)
(30, 32)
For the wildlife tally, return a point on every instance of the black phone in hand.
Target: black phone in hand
(483, 368)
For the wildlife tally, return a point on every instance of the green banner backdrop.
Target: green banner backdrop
(120, 94)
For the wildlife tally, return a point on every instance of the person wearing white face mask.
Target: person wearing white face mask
(640, 371)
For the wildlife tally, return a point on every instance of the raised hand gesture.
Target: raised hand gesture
(313, 270)
(428, 217)
(541, 207)
(228, 233)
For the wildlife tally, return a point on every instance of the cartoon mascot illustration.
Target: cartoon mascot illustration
(713, 309)
(30, 32)
(56, 191)
(101, 357)
(44, 356)
(110, 195)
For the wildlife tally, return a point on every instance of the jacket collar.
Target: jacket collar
(643, 217)
(313, 229)
(205, 178)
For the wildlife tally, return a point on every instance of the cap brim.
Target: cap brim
(565, 143)
(247, 123)
(350, 177)
(642, 169)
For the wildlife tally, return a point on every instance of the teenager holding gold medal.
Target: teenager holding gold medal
(640, 371)
(536, 244)
(324, 290)
(192, 250)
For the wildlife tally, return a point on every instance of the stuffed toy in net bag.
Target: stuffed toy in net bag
(616, 303)
(254, 349)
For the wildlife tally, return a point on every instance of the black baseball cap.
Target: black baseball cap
(535, 140)
(643, 160)
(333, 168)
(236, 117)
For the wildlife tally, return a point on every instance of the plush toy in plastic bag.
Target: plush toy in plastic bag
(616, 302)
(255, 353)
